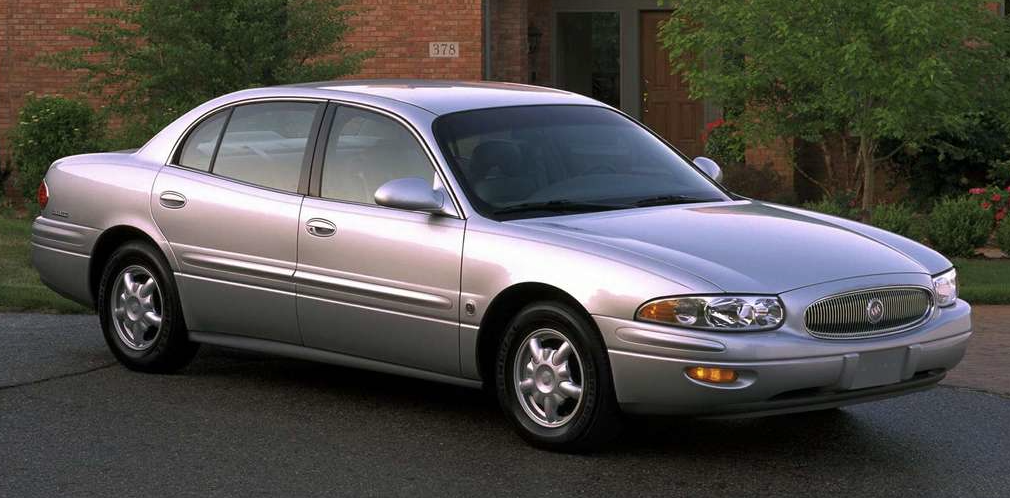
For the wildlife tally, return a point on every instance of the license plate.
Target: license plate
(878, 368)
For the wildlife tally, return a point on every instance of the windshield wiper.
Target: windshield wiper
(664, 200)
(561, 205)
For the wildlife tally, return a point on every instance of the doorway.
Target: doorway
(667, 107)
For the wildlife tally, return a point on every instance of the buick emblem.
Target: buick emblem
(875, 311)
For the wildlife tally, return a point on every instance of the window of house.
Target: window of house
(198, 150)
(365, 150)
(265, 144)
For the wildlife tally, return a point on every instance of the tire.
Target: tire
(147, 333)
(573, 421)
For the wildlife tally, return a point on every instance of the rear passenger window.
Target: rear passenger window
(199, 147)
(264, 144)
(365, 150)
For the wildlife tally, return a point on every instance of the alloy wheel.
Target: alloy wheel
(136, 307)
(548, 378)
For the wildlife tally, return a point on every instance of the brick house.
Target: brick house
(606, 49)
(602, 48)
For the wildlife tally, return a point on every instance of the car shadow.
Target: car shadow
(749, 437)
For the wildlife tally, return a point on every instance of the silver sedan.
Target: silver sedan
(527, 240)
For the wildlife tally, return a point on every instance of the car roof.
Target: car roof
(444, 96)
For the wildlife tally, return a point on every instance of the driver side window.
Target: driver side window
(365, 150)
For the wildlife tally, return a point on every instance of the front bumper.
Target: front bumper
(784, 370)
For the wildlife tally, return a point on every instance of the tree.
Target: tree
(854, 72)
(153, 60)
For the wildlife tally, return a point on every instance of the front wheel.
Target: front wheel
(139, 309)
(553, 379)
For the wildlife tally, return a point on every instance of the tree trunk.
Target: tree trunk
(867, 149)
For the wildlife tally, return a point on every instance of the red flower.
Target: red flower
(1008, 188)
(1000, 214)
(710, 127)
(976, 191)
(997, 197)
(985, 205)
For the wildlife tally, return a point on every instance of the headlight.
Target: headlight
(945, 288)
(738, 313)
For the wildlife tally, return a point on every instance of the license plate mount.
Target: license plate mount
(879, 368)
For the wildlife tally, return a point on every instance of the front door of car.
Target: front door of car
(376, 282)
(229, 206)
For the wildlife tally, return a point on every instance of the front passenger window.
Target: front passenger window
(365, 150)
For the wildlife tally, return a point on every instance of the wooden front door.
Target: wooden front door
(666, 106)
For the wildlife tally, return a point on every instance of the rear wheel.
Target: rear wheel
(139, 309)
(553, 379)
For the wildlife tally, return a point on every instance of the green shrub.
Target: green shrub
(897, 218)
(49, 128)
(834, 206)
(1003, 237)
(958, 225)
(947, 164)
(724, 143)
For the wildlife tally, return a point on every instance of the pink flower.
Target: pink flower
(985, 205)
(1008, 188)
(976, 191)
(997, 197)
(1000, 214)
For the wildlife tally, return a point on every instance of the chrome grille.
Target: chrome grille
(846, 316)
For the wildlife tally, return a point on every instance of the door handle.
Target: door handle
(172, 200)
(320, 227)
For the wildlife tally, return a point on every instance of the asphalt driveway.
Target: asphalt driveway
(72, 422)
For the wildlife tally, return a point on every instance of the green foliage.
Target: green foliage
(896, 218)
(1003, 237)
(999, 172)
(948, 163)
(724, 143)
(841, 207)
(49, 128)
(862, 71)
(958, 225)
(154, 60)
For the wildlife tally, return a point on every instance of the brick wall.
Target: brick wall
(29, 28)
(509, 61)
(540, 61)
(399, 33)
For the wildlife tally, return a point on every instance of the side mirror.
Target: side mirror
(709, 167)
(412, 194)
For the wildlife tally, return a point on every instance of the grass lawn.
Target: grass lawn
(982, 281)
(20, 288)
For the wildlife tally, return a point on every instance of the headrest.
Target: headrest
(502, 154)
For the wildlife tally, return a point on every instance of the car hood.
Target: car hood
(743, 246)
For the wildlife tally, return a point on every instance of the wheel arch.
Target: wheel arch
(503, 307)
(107, 243)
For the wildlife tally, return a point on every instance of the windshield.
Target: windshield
(529, 161)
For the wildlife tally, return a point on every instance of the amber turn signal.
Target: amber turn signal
(660, 311)
(713, 375)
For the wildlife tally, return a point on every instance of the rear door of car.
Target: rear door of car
(229, 204)
(373, 281)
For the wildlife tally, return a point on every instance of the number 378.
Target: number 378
(443, 49)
